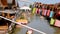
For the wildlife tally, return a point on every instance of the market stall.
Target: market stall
(23, 17)
(48, 11)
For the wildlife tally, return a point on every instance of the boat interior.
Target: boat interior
(5, 4)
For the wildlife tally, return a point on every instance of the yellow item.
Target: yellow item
(22, 20)
(52, 21)
(34, 10)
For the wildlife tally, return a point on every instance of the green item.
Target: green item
(52, 21)
(34, 10)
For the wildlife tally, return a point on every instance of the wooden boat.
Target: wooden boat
(3, 26)
(22, 21)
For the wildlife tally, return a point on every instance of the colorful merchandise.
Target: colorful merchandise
(52, 21)
(48, 13)
(37, 11)
(57, 23)
(45, 12)
(34, 10)
(51, 14)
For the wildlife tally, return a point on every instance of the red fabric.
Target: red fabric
(48, 12)
(37, 11)
(45, 12)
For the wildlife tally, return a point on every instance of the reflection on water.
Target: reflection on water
(17, 30)
(39, 24)
(57, 30)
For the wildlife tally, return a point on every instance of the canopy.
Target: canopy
(25, 8)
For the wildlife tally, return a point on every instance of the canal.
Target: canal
(39, 24)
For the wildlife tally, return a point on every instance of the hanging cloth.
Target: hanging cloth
(57, 23)
(51, 14)
(48, 13)
(34, 10)
(37, 11)
(52, 21)
(45, 12)
(40, 11)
